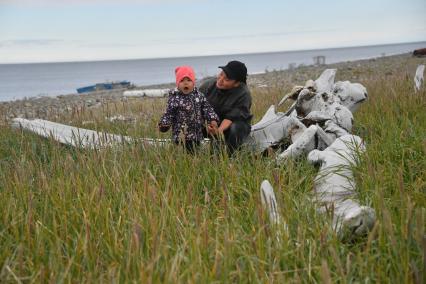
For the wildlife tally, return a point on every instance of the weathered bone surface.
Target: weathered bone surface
(269, 202)
(269, 115)
(152, 93)
(272, 129)
(313, 137)
(418, 78)
(350, 95)
(323, 103)
(335, 187)
(121, 118)
(79, 137)
(325, 81)
(292, 95)
(327, 107)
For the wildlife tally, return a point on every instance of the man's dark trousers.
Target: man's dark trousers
(235, 135)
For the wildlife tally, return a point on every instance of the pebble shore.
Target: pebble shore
(355, 71)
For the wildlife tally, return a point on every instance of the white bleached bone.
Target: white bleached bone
(335, 187)
(325, 81)
(73, 136)
(418, 78)
(269, 115)
(316, 117)
(341, 116)
(152, 93)
(269, 202)
(121, 118)
(303, 145)
(350, 95)
(272, 129)
(314, 137)
(330, 108)
(338, 121)
(292, 95)
(79, 137)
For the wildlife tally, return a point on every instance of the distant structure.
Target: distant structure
(419, 52)
(291, 66)
(319, 60)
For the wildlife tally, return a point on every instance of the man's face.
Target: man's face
(224, 83)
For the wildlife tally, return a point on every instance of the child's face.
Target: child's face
(186, 86)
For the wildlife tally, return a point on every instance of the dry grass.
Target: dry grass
(136, 214)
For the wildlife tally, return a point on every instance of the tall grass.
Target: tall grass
(143, 214)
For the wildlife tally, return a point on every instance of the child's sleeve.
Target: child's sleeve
(167, 118)
(208, 112)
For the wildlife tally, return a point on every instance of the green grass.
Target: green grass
(140, 214)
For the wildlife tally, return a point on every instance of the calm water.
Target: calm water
(18, 81)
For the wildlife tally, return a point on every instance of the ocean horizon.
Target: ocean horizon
(27, 80)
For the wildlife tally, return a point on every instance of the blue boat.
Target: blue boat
(104, 86)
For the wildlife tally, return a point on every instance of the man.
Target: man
(230, 98)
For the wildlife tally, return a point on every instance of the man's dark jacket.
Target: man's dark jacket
(233, 104)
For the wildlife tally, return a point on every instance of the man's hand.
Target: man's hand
(226, 123)
(214, 130)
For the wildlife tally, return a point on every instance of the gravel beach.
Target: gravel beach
(355, 71)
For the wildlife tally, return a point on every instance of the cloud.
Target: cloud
(252, 35)
(32, 3)
(30, 42)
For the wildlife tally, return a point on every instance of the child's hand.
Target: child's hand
(212, 128)
(163, 128)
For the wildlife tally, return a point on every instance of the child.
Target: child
(187, 111)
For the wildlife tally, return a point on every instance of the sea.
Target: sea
(28, 80)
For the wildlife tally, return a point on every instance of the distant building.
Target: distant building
(319, 60)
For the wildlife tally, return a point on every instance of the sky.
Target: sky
(78, 30)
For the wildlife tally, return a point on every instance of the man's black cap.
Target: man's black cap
(235, 70)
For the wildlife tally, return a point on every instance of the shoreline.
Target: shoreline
(231, 54)
(355, 71)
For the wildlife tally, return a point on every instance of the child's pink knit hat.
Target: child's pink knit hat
(184, 71)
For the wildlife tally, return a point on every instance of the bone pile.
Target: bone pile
(318, 125)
